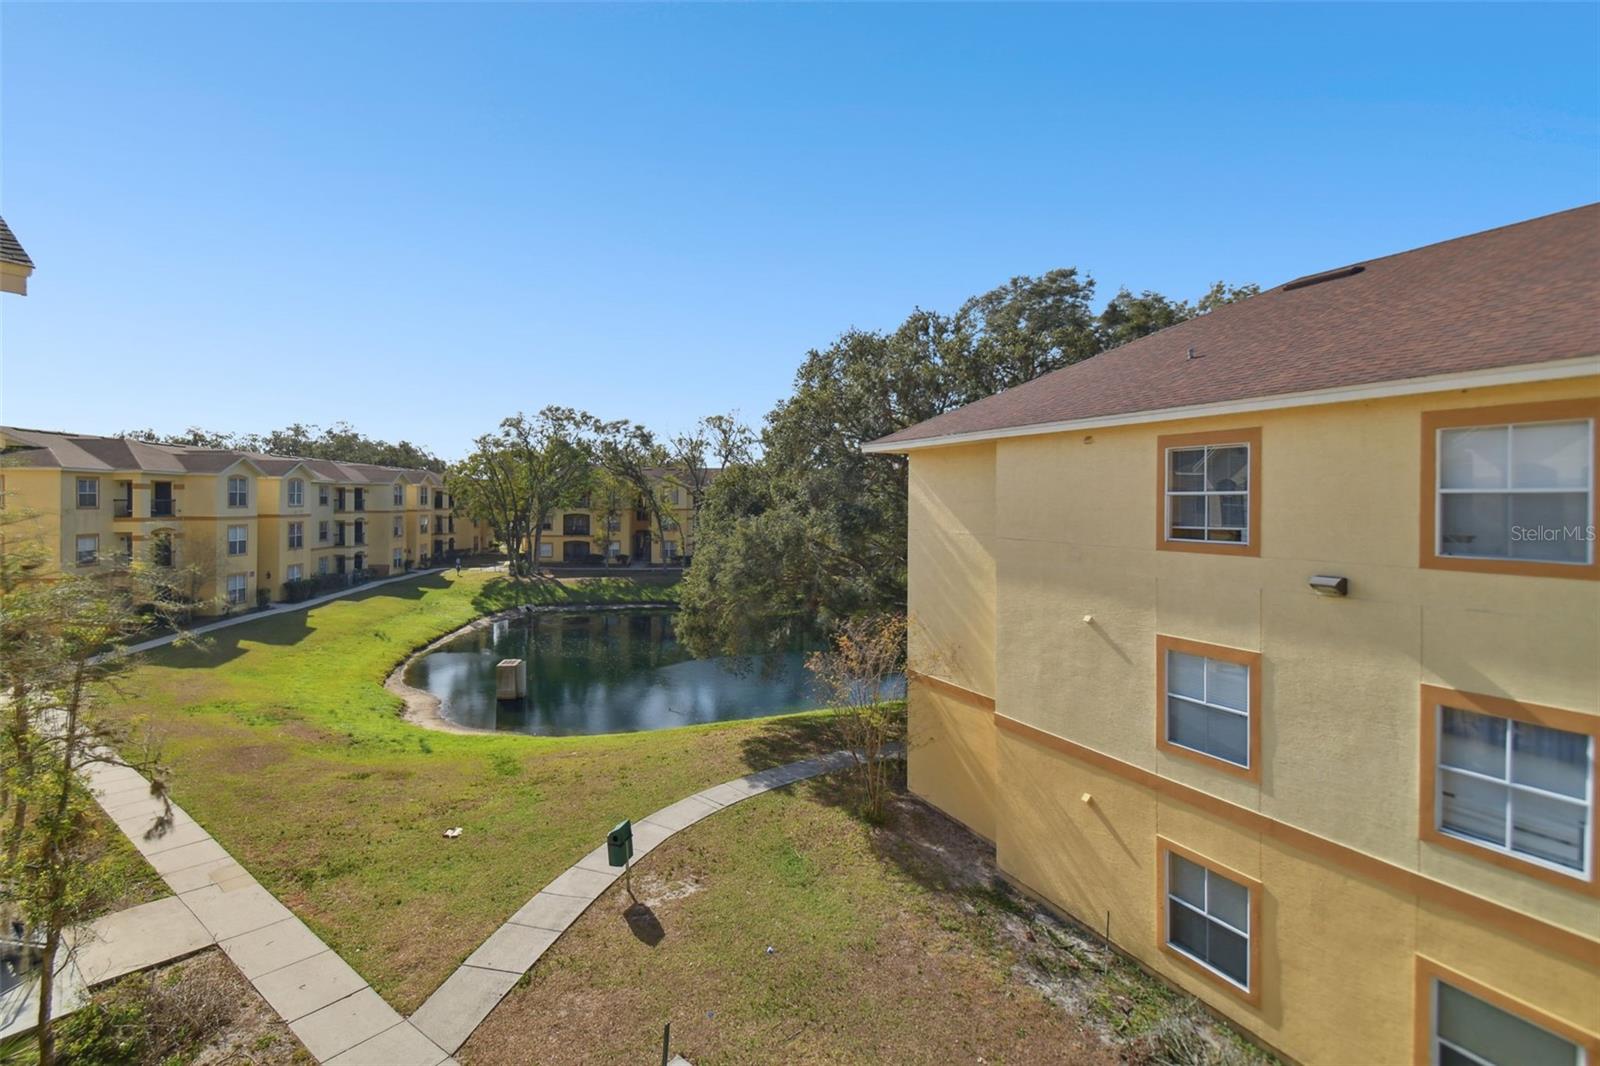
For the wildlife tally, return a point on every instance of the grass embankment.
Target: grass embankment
(287, 748)
(896, 943)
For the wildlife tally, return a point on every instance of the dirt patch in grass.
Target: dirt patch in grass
(800, 941)
(783, 929)
(198, 1012)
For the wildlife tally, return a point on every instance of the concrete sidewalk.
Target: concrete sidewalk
(330, 1007)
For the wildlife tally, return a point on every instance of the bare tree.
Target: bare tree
(866, 655)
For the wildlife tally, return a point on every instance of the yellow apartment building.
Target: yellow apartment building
(241, 525)
(624, 532)
(1270, 644)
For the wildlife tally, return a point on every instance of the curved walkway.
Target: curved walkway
(328, 1005)
(467, 996)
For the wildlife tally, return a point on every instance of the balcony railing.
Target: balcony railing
(122, 508)
(161, 509)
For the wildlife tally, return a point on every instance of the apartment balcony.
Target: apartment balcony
(122, 508)
(163, 508)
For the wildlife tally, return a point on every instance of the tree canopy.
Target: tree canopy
(341, 442)
(813, 531)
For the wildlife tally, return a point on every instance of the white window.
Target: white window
(546, 550)
(614, 549)
(322, 532)
(1208, 706)
(1468, 1031)
(238, 491)
(238, 540)
(88, 492)
(322, 565)
(399, 526)
(297, 492)
(424, 523)
(1208, 918)
(297, 535)
(1522, 491)
(669, 550)
(322, 495)
(422, 495)
(399, 495)
(294, 572)
(1208, 493)
(399, 560)
(1516, 788)
(88, 548)
(238, 587)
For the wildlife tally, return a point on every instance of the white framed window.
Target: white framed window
(1208, 493)
(399, 559)
(238, 491)
(669, 550)
(1208, 919)
(88, 492)
(422, 495)
(1516, 788)
(399, 495)
(322, 532)
(322, 495)
(87, 547)
(399, 526)
(322, 565)
(297, 535)
(238, 588)
(1470, 1031)
(613, 549)
(546, 550)
(1521, 491)
(238, 540)
(1208, 706)
(294, 572)
(297, 492)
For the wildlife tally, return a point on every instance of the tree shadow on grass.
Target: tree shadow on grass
(787, 739)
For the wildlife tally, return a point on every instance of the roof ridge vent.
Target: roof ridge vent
(1318, 279)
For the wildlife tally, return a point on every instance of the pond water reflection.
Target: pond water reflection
(605, 672)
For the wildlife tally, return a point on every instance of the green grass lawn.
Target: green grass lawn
(284, 744)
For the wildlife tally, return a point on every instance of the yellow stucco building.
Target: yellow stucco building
(240, 524)
(1270, 645)
(590, 532)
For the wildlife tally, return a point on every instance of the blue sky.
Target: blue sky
(421, 218)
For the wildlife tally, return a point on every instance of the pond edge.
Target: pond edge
(422, 708)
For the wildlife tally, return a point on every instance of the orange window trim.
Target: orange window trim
(1251, 660)
(1428, 812)
(1428, 971)
(1503, 414)
(1250, 436)
(1251, 995)
(1534, 930)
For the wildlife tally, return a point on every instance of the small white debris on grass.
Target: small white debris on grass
(453, 833)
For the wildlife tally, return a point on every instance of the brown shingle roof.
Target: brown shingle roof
(1525, 293)
(11, 248)
(82, 451)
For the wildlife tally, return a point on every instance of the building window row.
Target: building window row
(1508, 489)
(1507, 781)
(1210, 922)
